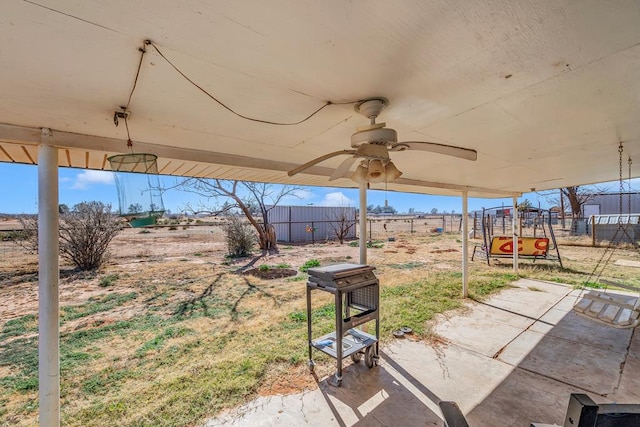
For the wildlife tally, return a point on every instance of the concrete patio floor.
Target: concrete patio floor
(509, 361)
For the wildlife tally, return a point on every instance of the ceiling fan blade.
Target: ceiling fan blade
(342, 170)
(318, 160)
(432, 147)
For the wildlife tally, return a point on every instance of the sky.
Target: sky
(19, 193)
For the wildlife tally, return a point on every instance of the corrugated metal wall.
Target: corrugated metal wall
(616, 229)
(610, 203)
(294, 223)
(610, 233)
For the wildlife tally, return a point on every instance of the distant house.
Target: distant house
(609, 204)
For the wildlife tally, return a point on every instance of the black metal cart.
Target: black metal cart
(357, 296)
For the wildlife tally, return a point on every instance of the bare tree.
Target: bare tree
(253, 199)
(577, 196)
(29, 237)
(341, 223)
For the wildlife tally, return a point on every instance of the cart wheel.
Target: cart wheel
(335, 381)
(370, 359)
(356, 357)
(312, 366)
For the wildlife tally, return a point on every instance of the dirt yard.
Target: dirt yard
(170, 307)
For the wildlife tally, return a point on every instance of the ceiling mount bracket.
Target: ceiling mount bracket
(121, 113)
(371, 107)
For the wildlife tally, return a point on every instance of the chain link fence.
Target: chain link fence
(130, 243)
(13, 255)
(182, 239)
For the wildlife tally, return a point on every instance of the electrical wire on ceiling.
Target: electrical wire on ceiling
(143, 50)
(123, 113)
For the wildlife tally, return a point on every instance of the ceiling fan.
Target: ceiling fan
(372, 144)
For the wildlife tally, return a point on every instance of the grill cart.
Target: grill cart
(357, 296)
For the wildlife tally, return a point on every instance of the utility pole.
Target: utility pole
(562, 208)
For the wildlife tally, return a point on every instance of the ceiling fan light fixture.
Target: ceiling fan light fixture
(392, 172)
(376, 171)
(360, 175)
(372, 144)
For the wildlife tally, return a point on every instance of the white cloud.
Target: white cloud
(297, 196)
(86, 178)
(336, 199)
(303, 194)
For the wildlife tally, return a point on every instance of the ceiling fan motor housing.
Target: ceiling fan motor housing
(373, 151)
(374, 136)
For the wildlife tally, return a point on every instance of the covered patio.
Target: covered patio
(543, 92)
(537, 353)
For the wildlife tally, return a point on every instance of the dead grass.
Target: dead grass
(175, 336)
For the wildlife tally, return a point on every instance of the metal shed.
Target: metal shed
(609, 204)
(299, 224)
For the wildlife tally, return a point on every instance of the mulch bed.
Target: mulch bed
(272, 273)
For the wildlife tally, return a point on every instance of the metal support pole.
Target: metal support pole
(465, 246)
(515, 234)
(311, 363)
(475, 224)
(337, 380)
(562, 209)
(313, 233)
(48, 278)
(290, 230)
(363, 223)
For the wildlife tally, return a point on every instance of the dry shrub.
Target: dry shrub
(85, 234)
(240, 237)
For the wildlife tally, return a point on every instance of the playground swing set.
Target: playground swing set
(620, 310)
(539, 244)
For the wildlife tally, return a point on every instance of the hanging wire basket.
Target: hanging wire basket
(138, 185)
(134, 162)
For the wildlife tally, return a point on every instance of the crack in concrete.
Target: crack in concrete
(304, 414)
(559, 381)
(535, 320)
(624, 362)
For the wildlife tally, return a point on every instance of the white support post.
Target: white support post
(48, 278)
(515, 235)
(465, 245)
(363, 223)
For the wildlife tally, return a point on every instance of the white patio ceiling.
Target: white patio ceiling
(543, 90)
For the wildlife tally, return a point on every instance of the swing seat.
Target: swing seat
(617, 310)
(528, 248)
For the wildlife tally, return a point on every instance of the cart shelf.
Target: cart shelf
(353, 342)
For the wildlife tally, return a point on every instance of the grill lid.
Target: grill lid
(338, 271)
(341, 275)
